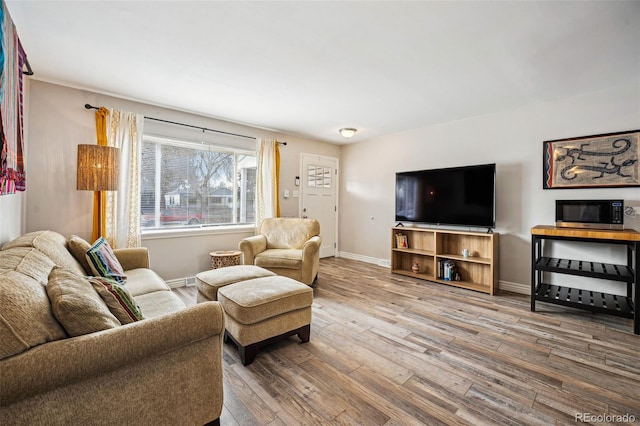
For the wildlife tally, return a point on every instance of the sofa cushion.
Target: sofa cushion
(118, 299)
(26, 318)
(28, 261)
(159, 303)
(50, 243)
(79, 248)
(280, 258)
(103, 262)
(142, 281)
(77, 305)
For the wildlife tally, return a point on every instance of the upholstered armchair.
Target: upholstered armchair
(286, 246)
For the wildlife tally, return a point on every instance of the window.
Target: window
(319, 176)
(189, 184)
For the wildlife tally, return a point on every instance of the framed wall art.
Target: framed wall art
(606, 160)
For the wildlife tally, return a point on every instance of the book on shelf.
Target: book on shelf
(401, 240)
(447, 270)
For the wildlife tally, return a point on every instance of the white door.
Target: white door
(318, 197)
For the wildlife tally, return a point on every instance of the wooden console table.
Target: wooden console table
(594, 301)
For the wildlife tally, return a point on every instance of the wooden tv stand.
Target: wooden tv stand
(594, 301)
(428, 246)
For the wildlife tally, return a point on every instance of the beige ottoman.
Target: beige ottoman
(208, 282)
(261, 310)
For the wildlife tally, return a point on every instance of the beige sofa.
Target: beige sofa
(286, 246)
(165, 369)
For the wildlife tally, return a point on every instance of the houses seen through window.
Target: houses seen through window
(187, 184)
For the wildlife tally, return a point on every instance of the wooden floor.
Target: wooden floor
(390, 350)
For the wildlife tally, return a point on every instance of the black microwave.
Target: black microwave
(593, 214)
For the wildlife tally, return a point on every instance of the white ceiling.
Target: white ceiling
(309, 68)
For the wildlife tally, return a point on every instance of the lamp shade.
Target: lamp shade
(98, 168)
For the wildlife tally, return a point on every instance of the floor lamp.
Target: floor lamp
(98, 170)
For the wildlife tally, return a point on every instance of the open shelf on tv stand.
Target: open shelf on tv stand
(429, 246)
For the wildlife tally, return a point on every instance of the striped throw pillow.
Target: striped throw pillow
(103, 262)
(118, 299)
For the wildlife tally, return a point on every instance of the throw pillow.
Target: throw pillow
(76, 305)
(26, 319)
(103, 262)
(118, 299)
(78, 248)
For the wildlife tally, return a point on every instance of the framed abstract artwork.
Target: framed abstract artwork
(606, 160)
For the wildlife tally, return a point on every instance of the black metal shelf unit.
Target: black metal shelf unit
(594, 301)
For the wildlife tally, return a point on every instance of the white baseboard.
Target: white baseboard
(181, 282)
(502, 285)
(380, 262)
(514, 287)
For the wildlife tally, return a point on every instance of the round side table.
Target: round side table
(220, 259)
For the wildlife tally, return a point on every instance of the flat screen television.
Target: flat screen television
(464, 196)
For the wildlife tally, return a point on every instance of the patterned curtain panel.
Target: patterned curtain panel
(122, 207)
(267, 185)
(12, 59)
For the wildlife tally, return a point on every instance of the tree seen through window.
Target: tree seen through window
(192, 185)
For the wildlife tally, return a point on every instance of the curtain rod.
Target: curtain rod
(29, 71)
(88, 106)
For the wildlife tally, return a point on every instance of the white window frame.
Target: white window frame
(207, 229)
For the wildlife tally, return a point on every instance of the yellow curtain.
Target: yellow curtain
(277, 207)
(99, 198)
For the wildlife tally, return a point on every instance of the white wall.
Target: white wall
(512, 140)
(59, 122)
(11, 216)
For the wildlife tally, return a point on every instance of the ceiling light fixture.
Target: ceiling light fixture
(348, 132)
